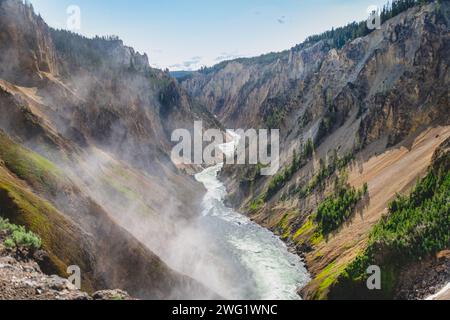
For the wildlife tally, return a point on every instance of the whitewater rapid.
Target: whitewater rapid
(264, 269)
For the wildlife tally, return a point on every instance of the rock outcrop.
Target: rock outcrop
(25, 44)
(85, 155)
(21, 276)
(377, 108)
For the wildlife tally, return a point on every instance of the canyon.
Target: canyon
(86, 163)
(372, 115)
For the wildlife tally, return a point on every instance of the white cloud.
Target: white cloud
(282, 20)
(224, 56)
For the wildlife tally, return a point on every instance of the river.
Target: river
(261, 265)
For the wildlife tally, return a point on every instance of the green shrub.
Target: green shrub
(275, 118)
(18, 236)
(4, 224)
(9, 243)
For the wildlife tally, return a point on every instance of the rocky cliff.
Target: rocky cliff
(84, 157)
(21, 276)
(374, 112)
(85, 141)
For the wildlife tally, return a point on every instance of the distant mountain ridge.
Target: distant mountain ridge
(181, 75)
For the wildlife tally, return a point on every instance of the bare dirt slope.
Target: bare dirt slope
(392, 172)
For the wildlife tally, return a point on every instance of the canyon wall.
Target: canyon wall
(374, 111)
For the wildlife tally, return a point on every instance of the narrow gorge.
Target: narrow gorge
(86, 166)
(361, 122)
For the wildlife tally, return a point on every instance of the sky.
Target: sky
(189, 34)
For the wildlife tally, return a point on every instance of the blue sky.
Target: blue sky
(187, 34)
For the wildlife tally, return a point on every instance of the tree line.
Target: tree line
(338, 37)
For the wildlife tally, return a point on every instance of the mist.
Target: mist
(98, 112)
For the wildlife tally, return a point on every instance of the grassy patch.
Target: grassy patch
(308, 227)
(284, 226)
(28, 165)
(122, 186)
(257, 204)
(308, 233)
(24, 204)
(326, 279)
(317, 238)
(121, 190)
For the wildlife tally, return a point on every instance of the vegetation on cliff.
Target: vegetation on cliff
(18, 236)
(30, 166)
(298, 161)
(339, 207)
(325, 172)
(417, 226)
(339, 37)
(332, 212)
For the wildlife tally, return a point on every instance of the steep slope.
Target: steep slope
(255, 92)
(84, 161)
(410, 242)
(374, 111)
